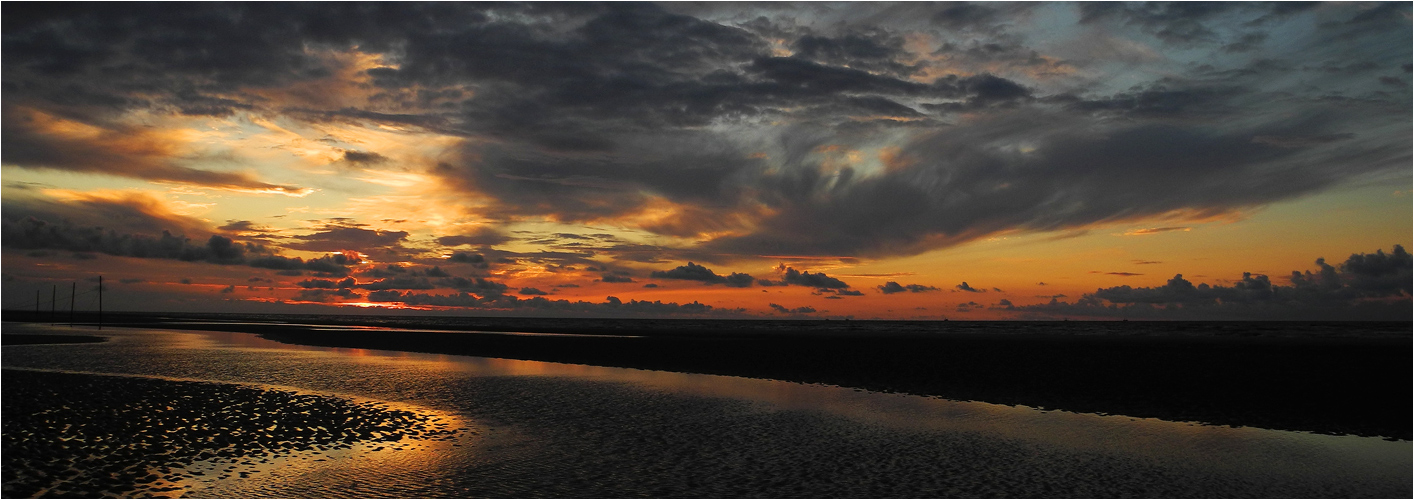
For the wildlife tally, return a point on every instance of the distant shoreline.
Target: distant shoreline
(1339, 378)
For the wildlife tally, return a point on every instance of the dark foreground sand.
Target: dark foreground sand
(76, 435)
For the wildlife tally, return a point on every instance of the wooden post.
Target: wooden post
(100, 302)
(36, 304)
(53, 299)
(73, 290)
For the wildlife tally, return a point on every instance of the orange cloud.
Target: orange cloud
(39, 140)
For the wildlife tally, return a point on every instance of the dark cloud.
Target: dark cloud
(532, 291)
(433, 272)
(605, 112)
(476, 260)
(611, 306)
(694, 272)
(967, 288)
(1372, 286)
(339, 238)
(963, 15)
(875, 50)
(330, 265)
(31, 233)
(893, 287)
(479, 286)
(690, 271)
(614, 278)
(1071, 179)
(1184, 23)
(786, 310)
(483, 235)
(323, 283)
(364, 158)
(790, 276)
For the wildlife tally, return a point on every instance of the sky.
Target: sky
(982, 161)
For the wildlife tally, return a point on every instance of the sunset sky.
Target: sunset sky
(818, 160)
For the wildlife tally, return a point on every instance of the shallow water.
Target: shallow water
(550, 429)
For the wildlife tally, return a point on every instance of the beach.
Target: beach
(539, 429)
(1338, 378)
(82, 435)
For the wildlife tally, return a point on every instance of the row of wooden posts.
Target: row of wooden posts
(73, 292)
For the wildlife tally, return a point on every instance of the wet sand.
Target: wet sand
(550, 430)
(1334, 378)
(31, 339)
(80, 435)
(1332, 385)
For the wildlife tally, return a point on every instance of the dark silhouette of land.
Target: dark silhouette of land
(1340, 378)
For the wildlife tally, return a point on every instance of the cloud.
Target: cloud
(893, 287)
(690, 271)
(330, 265)
(614, 278)
(786, 310)
(532, 291)
(32, 233)
(327, 284)
(611, 306)
(34, 139)
(1373, 286)
(790, 276)
(363, 158)
(479, 286)
(483, 235)
(476, 260)
(967, 288)
(338, 238)
(1155, 230)
(752, 138)
(694, 272)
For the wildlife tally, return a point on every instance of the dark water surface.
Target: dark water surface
(548, 429)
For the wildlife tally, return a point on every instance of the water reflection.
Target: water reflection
(1238, 448)
(561, 428)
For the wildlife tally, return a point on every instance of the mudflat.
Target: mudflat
(1327, 377)
(1337, 385)
(31, 339)
(88, 436)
